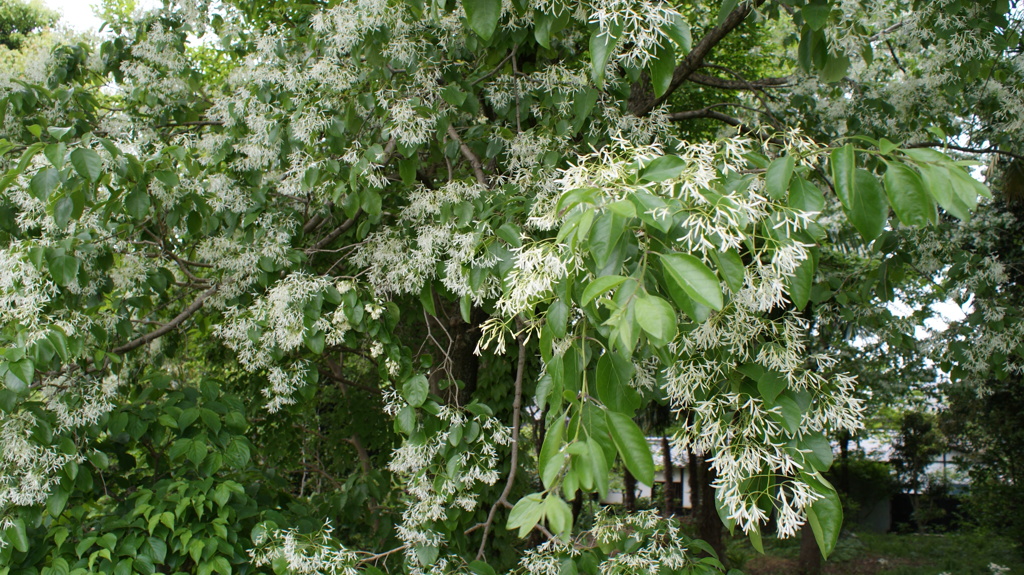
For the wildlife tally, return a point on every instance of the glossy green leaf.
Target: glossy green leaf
(43, 183)
(826, 518)
(663, 168)
(908, 196)
(602, 45)
(557, 318)
(818, 451)
(599, 286)
(863, 200)
(816, 13)
(415, 390)
(17, 536)
(558, 514)
(87, 163)
(679, 30)
(605, 235)
(801, 283)
(662, 67)
(730, 268)
(632, 446)
(805, 196)
(835, 68)
(693, 277)
(770, 385)
(23, 372)
(526, 513)
(483, 16)
(614, 373)
(550, 460)
(656, 317)
(776, 180)
(938, 183)
(63, 269)
(197, 451)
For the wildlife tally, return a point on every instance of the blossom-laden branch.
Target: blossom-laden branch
(169, 326)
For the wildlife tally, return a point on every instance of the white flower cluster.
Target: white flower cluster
(439, 477)
(24, 292)
(400, 258)
(313, 554)
(28, 470)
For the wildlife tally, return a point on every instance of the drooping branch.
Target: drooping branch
(517, 408)
(169, 326)
(642, 100)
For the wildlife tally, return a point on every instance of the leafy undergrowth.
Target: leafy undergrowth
(890, 554)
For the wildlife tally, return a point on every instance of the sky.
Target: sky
(78, 14)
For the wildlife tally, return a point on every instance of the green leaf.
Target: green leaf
(550, 461)
(886, 147)
(770, 385)
(237, 453)
(801, 282)
(863, 200)
(605, 235)
(826, 517)
(777, 179)
(481, 568)
(197, 451)
(730, 268)
(679, 30)
(557, 318)
(17, 536)
(137, 204)
(632, 446)
(663, 168)
(87, 163)
(805, 196)
(600, 286)
(939, 184)
(835, 68)
(55, 153)
(20, 375)
(526, 513)
(614, 373)
(415, 390)
(547, 26)
(42, 184)
(693, 277)
(483, 16)
(727, 7)
(558, 514)
(62, 211)
(656, 317)
(602, 45)
(63, 269)
(908, 196)
(662, 66)
(818, 451)
(816, 14)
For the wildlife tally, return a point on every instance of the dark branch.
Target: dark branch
(169, 326)
(467, 152)
(642, 100)
(724, 84)
(989, 150)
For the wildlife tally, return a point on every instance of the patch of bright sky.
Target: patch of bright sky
(79, 15)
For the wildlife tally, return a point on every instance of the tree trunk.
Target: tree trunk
(709, 524)
(629, 497)
(810, 555)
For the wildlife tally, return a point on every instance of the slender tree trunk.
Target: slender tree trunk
(709, 524)
(669, 485)
(629, 497)
(810, 555)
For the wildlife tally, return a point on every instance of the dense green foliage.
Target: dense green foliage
(382, 285)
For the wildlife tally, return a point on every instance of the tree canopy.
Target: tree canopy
(381, 285)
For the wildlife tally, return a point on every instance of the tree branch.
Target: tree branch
(169, 326)
(724, 84)
(474, 161)
(344, 227)
(989, 150)
(642, 100)
(517, 408)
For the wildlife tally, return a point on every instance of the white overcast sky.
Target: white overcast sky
(78, 14)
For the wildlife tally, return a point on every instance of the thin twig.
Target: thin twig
(517, 405)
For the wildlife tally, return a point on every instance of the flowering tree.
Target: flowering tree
(499, 222)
